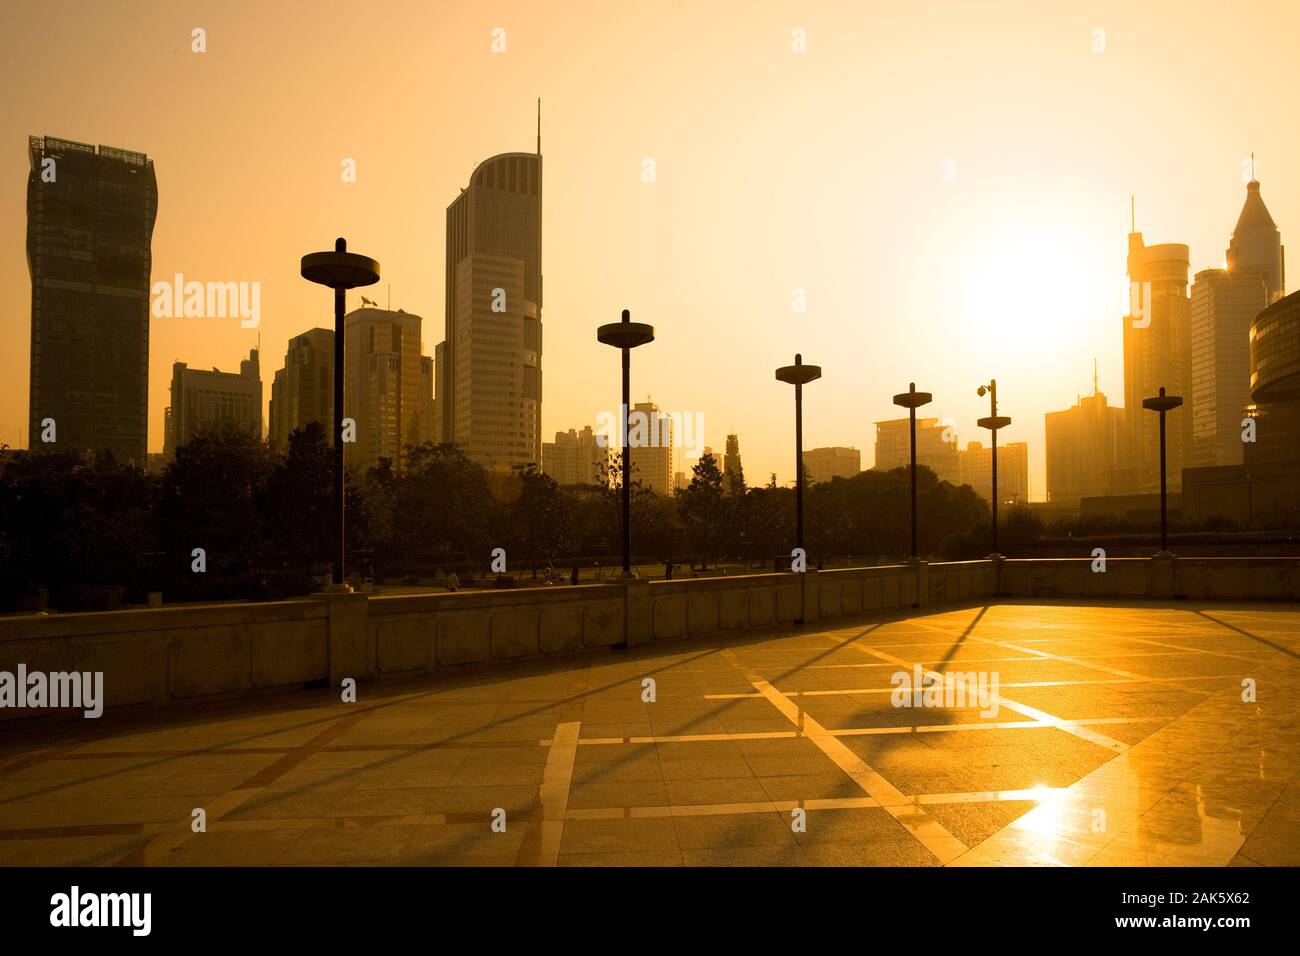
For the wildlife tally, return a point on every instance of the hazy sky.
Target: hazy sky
(824, 171)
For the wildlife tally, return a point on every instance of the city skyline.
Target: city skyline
(1062, 204)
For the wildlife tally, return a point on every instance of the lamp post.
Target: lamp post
(993, 422)
(912, 400)
(798, 375)
(1163, 404)
(626, 335)
(340, 270)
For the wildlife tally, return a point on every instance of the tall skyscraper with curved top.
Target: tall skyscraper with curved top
(491, 390)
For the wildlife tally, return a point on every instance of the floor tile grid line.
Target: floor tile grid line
(181, 832)
(1041, 715)
(924, 828)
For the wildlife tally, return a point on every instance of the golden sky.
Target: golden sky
(826, 171)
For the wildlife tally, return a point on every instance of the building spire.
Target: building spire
(539, 126)
(1094, 377)
(1132, 213)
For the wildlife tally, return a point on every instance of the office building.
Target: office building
(1157, 353)
(90, 219)
(936, 447)
(823, 464)
(202, 399)
(976, 464)
(576, 458)
(303, 391)
(491, 393)
(1086, 446)
(733, 473)
(652, 458)
(385, 379)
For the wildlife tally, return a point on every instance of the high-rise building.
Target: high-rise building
(936, 447)
(1086, 445)
(1157, 354)
(732, 470)
(491, 394)
(303, 391)
(1224, 303)
(90, 218)
(200, 399)
(430, 427)
(1256, 244)
(652, 451)
(1275, 384)
(576, 458)
(823, 464)
(384, 378)
(1013, 471)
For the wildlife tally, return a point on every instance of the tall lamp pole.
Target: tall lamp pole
(993, 422)
(1163, 404)
(912, 400)
(626, 335)
(340, 270)
(798, 375)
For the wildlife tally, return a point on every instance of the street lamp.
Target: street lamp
(626, 335)
(1163, 404)
(912, 400)
(340, 270)
(798, 375)
(993, 422)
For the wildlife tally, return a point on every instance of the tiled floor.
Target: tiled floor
(1121, 737)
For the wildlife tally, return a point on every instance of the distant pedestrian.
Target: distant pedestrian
(453, 582)
(668, 569)
(574, 577)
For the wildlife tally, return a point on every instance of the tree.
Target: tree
(701, 508)
(212, 497)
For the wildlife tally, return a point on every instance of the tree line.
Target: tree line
(262, 520)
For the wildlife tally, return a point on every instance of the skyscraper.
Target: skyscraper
(383, 380)
(733, 472)
(651, 434)
(1013, 471)
(936, 447)
(90, 218)
(303, 391)
(823, 464)
(1085, 447)
(1224, 303)
(1256, 244)
(491, 395)
(1157, 353)
(575, 458)
(200, 399)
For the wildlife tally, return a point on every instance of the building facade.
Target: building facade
(576, 458)
(823, 464)
(90, 219)
(303, 391)
(201, 399)
(1157, 354)
(652, 452)
(1223, 304)
(733, 473)
(490, 396)
(936, 447)
(1086, 447)
(385, 382)
(976, 463)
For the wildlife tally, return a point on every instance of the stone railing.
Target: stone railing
(161, 656)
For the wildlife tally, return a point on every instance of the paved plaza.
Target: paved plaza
(1123, 735)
